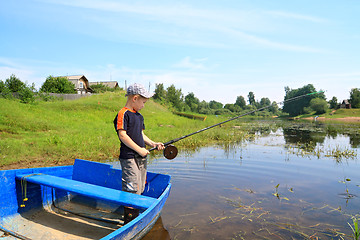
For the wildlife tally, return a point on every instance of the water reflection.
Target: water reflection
(307, 132)
(355, 140)
(316, 132)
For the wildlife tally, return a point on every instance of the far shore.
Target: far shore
(344, 119)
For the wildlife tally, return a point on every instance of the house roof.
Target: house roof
(111, 84)
(76, 77)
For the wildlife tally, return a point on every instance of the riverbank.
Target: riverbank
(341, 115)
(55, 133)
(343, 119)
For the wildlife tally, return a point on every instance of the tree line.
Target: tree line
(317, 103)
(14, 88)
(175, 99)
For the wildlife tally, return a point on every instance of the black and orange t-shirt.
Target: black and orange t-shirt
(133, 123)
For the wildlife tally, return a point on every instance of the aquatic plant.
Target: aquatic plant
(339, 154)
(276, 193)
(312, 149)
(355, 229)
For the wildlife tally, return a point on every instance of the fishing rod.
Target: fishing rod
(170, 151)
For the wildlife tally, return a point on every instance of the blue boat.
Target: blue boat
(82, 201)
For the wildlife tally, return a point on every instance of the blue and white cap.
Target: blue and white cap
(139, 89)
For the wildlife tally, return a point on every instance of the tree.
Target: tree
(297, 107)
(215, 105)
(14, 84)
(192, 102)
(333, 103)
(251, 98)
(160, 92)
(355, 97)
(232, 107)
(204, 108)
(319, 105)
(26, 94)
(57, 85)
(174, 97)
(3, 87)
(4, 90)
(240, 101)
(264, 102)
(274, 108)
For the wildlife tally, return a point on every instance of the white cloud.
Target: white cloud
(191, 64)
(204, 84)
(184, 24)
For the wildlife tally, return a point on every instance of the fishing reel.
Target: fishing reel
(170, 152)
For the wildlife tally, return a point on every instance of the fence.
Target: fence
(67, 96)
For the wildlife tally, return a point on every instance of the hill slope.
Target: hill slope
(53, 133)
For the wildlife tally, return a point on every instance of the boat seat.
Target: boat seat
(90, 190)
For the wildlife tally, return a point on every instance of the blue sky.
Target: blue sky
(216, 49)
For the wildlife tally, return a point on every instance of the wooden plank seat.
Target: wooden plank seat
(90, 190)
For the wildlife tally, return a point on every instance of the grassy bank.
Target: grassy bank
(339, 114)
(54, 133)
(343, 113)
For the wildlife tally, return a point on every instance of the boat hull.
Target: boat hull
(46, 198)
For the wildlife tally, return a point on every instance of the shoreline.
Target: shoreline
(42, 163)
(343, 119)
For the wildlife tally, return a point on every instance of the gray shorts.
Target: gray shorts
(133, 174)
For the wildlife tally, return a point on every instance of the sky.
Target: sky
(218, 50)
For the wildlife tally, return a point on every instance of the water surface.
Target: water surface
(286, 182)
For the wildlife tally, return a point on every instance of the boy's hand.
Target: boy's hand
(159, 145)
(143, 152)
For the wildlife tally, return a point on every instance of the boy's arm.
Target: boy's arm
(151, 143)
(131, 144)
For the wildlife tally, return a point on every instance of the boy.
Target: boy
(129, 124)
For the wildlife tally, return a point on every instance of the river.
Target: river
(290, 180)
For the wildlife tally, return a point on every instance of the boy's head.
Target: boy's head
(138, 89)
(137, 96)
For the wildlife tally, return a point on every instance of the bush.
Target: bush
(101, 88)
(222, 111)
(26, 95)
(48, 98)
(319, 105)
(5, 91)
(206, 111)
(14, 84)
(57, 85)
(355, 97)
(15, 88)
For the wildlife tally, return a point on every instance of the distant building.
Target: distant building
(110, 84)
(345, 104)
(81, 83)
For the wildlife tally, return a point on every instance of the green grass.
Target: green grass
(57, 132)
(339, 113)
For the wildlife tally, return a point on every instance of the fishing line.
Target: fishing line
(171, 151)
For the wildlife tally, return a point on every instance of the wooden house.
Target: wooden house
(82, 85)
(345, 104)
